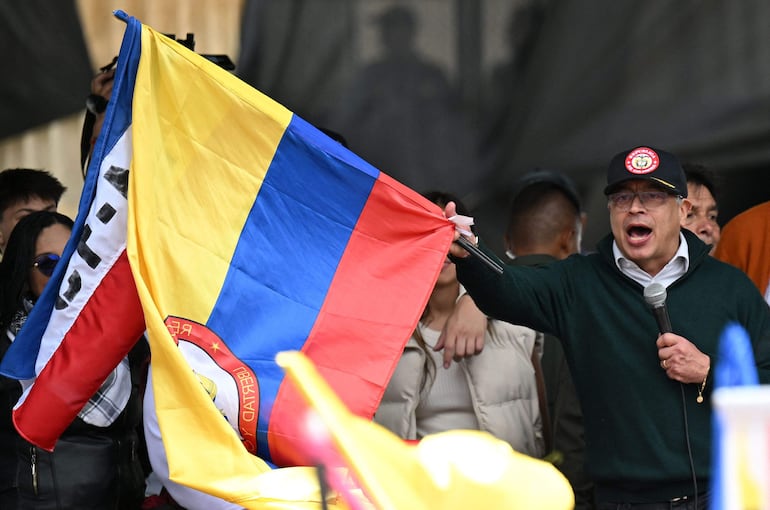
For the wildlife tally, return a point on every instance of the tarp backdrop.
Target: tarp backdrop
(45, 67)
(484, 95)
(466, 96)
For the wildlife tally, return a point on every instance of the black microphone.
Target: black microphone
(655, 295)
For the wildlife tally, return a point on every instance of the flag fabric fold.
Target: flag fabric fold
(89, 316)
(251, 232)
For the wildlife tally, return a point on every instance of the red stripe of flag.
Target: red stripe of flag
(362, 336)
(113, 312)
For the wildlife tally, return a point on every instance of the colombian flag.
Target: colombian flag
(250, 232)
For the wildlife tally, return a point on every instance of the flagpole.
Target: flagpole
(474, 250)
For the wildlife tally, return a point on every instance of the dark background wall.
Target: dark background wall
(455, 94)
(492, 88)
(45, 68)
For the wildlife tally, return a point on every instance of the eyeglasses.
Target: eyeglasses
(46, 263)
(649, 199)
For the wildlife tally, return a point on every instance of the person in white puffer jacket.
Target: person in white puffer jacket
(495, 391)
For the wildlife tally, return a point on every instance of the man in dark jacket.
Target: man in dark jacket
(645, 396)
(545, 224)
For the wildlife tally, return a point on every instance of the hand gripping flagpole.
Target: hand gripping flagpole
(463, 223)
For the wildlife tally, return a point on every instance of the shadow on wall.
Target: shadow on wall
(401, 114)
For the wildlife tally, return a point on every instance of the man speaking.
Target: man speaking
(645, 395)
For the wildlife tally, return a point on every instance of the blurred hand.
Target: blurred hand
(101, 84)
(463, 333)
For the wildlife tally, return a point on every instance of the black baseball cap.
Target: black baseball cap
(540, 175)
(650, 164)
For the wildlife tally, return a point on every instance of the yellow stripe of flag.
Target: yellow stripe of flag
(203, 141)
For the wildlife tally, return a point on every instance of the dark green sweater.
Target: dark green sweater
(635, 428)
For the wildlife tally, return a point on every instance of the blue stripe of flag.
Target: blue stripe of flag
(311, 198)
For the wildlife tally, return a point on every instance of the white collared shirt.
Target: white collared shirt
(671, 272)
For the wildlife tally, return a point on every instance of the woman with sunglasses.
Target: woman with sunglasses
(90, 467)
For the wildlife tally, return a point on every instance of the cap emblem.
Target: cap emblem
(642, 161)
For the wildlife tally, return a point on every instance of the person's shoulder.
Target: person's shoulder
(715, 264)
(501, 333)
(759, 210)
(726, 274)
(744, 234)
(532, 260)
(583, 259)
(750, 217)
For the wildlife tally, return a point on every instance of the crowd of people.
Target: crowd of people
(96, 462)
(560, 355)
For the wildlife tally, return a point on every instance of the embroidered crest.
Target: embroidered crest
(642, 161)
(231, 383)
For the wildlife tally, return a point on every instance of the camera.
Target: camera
(222, 61)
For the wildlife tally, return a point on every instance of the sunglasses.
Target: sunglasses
(46, 263)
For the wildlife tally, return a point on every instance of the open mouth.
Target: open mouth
(638, 234)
